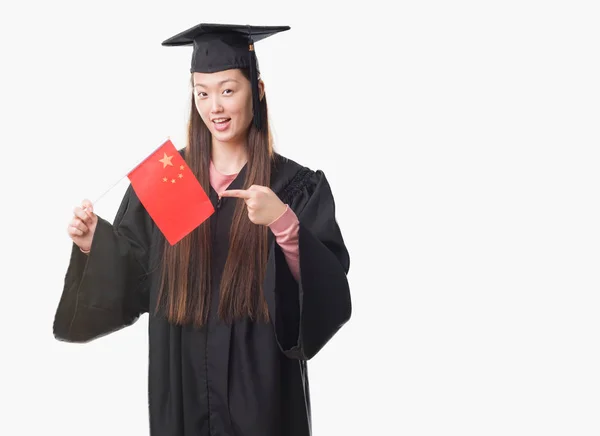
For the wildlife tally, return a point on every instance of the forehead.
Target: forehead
(210, 79)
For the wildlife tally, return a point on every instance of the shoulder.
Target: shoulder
(293, 182)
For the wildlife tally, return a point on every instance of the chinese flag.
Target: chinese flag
(170, 193)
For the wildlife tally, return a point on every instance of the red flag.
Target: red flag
(170, 193)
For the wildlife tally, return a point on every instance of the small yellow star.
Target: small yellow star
(164, 179)
(172, 180)
(180, 176)
(166, 160)
(181, 167)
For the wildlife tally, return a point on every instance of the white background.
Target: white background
(461, 143)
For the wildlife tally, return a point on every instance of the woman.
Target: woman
(239, 305)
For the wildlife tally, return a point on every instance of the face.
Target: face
(224, 102)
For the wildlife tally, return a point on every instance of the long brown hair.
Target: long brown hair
(185, 285)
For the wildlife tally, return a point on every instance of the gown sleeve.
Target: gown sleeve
(307, 313)
(107, 290)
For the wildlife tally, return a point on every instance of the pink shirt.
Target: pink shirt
(284, 228)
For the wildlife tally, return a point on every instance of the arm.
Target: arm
(106, 290)
(285, 229)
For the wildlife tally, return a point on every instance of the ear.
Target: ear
(261, 89)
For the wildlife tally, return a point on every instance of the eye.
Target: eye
(201, 94)
(227, 91)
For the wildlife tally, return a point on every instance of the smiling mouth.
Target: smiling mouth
(220, 120)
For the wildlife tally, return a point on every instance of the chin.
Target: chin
(230, 135)
(223, 136)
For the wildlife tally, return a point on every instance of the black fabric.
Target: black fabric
(218, 47)
(243, 379)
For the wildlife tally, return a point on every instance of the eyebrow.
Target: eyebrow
(220, 83)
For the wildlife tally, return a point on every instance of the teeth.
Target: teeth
(220, 120)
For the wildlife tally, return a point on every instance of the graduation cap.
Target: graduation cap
(219, 47)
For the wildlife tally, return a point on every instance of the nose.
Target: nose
(216, 106)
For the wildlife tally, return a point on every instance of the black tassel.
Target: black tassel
(254, 85)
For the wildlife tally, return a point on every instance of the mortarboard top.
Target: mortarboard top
(219, 47)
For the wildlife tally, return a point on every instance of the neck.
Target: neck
(228, 158)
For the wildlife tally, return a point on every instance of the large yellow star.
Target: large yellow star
(166, 160)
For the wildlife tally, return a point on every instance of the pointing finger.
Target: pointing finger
(239, 193)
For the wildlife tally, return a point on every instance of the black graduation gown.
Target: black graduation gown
(244, 379)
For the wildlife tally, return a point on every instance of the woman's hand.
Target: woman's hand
(264, 206)
(83, 225)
